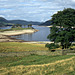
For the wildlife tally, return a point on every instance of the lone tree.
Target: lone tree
(63, 28)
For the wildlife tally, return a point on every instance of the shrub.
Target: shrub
(52, 46)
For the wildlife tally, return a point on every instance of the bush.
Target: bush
(52, 46)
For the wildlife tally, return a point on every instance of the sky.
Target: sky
(33, 10)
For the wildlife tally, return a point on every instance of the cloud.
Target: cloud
(35, 10)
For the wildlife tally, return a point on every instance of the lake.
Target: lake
(7, 27)
(41, 35)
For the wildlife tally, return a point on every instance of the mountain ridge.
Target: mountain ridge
(23, 22)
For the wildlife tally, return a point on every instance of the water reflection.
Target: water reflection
(7, 27)
(41, 35)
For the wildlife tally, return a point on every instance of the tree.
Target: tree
(63, 29)
(13, 26)
(29, 25)
(16, 25)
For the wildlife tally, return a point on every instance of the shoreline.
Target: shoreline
(5, 36)
(18, 32)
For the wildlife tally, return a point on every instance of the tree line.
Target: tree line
(19, 25)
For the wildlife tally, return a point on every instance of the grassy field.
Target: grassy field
(19, 47)
(34, 64)
(30, 60)
(38, 65)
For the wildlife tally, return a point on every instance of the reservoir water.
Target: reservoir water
(41, 35)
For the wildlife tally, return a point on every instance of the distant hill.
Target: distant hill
(47, 23)
(3, 22)
(3, 19)
(23, 22)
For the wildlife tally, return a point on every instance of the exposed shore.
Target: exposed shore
(5, 36)
(18, 32)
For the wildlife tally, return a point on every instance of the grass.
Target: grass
(20, 47)
(34, 64)
(19, 28)
(38, 65)
(30, 60)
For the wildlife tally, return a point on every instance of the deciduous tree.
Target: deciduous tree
(63, 28)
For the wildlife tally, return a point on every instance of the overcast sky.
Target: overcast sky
(33, 10)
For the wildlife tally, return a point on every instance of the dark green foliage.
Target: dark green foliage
(16, 26)
(63, 29)
(29, 25)
(64, 18)
(52, 46)
(73, 44)
(53, 34)
(13, 26)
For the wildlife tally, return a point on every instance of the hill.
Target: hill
(3, 19)
(23, 22)
(47, 23)
(4, 22)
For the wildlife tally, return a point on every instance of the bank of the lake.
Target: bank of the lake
(4, 38)
(41, 35)
(5, 35)
(18, 32)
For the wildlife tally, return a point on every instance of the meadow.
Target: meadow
(38, 65)
(34, 64)
(19, 47)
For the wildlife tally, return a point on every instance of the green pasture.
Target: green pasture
(38, 65)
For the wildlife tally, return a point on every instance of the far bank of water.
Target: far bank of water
(41, 35)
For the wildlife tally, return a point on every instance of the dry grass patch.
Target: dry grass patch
(19, 47)
(60, 67)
